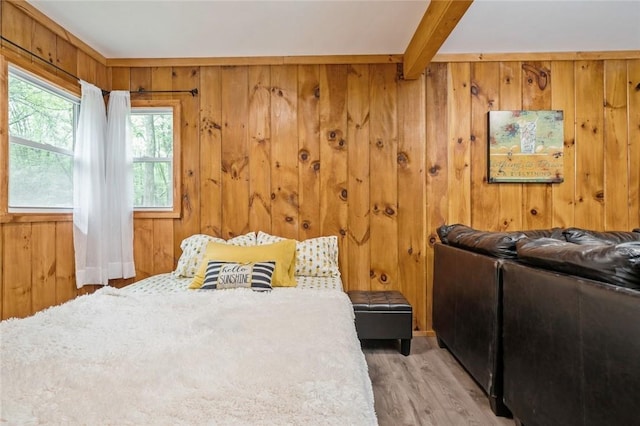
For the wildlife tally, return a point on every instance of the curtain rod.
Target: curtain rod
(193, 91)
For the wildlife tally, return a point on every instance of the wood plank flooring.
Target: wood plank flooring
(426, 388)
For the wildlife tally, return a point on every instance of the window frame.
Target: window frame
(176, 210)
(74, 90)
(25, 215)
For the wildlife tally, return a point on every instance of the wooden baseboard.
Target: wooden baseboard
(424, 333)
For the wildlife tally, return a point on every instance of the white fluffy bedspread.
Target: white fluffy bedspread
(216, 357)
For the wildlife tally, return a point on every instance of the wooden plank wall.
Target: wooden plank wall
(352, 151)
(36, 258)
(302, 151)
(602, 131)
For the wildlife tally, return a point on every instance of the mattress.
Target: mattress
(168, 283)
(230, 357)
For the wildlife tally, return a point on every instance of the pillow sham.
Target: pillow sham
(193, 249)
(223, 275)
(315, 257)
(283, 253)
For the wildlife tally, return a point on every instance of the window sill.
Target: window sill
(35, 217)
(157, 214)
(68, 217)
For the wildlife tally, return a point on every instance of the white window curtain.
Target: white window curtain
(119, 185)
(89, 195)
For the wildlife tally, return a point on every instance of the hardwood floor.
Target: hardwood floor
(428, 387)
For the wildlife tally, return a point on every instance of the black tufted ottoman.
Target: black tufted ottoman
(383, 315)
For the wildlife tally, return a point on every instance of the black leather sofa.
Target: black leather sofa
(471, 329)
(571, 349)
(517, 323)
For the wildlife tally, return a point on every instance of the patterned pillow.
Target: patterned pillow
(193, 249)
(223, 275)
(315, 257)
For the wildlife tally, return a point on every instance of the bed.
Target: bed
(156, 352)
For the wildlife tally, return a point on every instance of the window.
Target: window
(152, 144)
(38, 160)
(42, 123)
(155, 135)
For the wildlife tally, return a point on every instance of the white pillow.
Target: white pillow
(193, 249)
(315, 257)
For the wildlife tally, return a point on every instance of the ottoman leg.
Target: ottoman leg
(405, 346)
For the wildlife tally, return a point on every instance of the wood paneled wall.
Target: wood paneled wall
(601, 128)
(300, 151)
(36, 258)
(353, 151)
(601, 104)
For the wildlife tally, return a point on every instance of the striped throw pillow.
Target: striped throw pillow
(222, 275)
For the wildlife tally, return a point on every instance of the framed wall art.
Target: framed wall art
(526, 146)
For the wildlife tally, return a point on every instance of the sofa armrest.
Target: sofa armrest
(466, 311)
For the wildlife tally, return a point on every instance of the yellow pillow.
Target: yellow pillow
(283, 253)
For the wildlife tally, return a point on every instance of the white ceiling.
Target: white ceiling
(181, 28)
(546, 26)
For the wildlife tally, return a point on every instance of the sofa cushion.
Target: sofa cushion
(585, 236)
(497, 244)
(617, 264)
(443, 232)
(554, 233)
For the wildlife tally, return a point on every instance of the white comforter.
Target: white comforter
(208, 357)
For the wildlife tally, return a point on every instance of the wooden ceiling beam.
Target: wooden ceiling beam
(437, 23)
